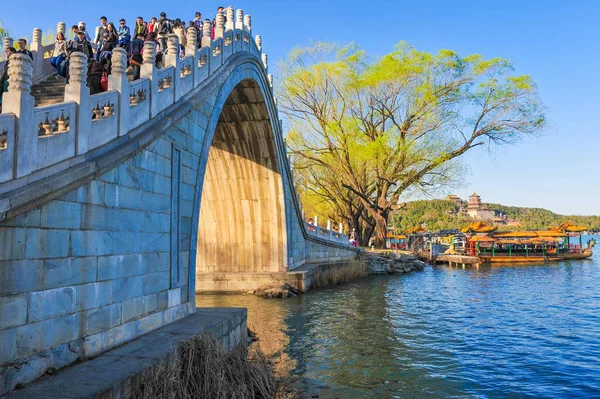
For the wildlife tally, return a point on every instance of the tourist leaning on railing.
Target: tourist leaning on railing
(59, 54)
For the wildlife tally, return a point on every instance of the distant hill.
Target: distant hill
(442, 214)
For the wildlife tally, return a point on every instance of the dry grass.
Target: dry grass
(203, 369)
(339, 274)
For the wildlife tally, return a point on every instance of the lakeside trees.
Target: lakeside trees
(367, 132)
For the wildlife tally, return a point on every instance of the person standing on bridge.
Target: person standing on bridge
(141, 28)
(99, 39)
(163, 29)
(4, 76)
(137, 47)
(124, 34)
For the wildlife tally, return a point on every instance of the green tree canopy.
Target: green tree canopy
(383, 127)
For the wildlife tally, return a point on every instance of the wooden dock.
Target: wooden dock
(458, 260)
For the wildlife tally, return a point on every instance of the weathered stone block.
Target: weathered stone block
(69, 271)
(156, 222)
(44, 244)
(162, 147)
(188, 175)
(156, 282)
(157, 261)
(91, 243)
(155, 242)
(162, 300)
(103, 318)
(149, 323)
(157, 202)
(174, 297)
(94, 295)
(162, 184)
(92, 193)
(131, 220)
(28, 219)
(137, 307)
(8, 345)
(47, 334)
(21, 276)
(126, 243)
(13, 311)
(129, 287)
(61, 215)
(112, 176)
(119, 266)
(51, 303)
(130, 198)
(12, 243)
(96, 217)
(111, 195)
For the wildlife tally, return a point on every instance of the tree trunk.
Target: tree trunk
(380, 230)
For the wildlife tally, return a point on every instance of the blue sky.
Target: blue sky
(554, 41)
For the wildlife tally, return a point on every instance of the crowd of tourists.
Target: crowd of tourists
(108, 37)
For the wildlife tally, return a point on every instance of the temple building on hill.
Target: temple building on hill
(455, 199)
(476, 210)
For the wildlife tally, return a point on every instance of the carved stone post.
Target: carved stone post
(270, 79)
(230, 24)
(148, 70)
(38, 53)
(19, 101)
(258, 41)
(118, 81)
(207, 34)
(77, 91)
(248, 23)
(172, 59)
(329, 230)
(6, 43)
(61, 27)
(192, 49)
(239, 19)
(265, 61)
(219, 27)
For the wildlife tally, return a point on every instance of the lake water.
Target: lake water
(502, 331)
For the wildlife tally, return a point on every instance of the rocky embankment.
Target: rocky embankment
(390, 263)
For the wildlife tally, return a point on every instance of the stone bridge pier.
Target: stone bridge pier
(117, 208)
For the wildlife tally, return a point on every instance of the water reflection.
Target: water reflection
(522, 331)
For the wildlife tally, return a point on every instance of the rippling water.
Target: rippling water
(502, 331)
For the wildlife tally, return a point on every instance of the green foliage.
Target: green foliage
(442, 215)
(386, 127)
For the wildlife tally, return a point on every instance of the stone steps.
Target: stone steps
(52, 90)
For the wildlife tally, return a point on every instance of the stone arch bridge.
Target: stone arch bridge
(116, 208)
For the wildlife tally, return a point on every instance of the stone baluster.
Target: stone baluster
(148, 70)
(118, 81)
(207, 34)
(316, 223)
(191, 41)
(265, 61)
(270, 79)
(19, 101)
(239, 19)
(258, 41)
(38, 53)
(172, 59)
(220, 26)
(191, 48)
(248, 24)
(329, 232)
(230, 24)
(77, 91)
(61, 27)
(341, 228)
(6, 43)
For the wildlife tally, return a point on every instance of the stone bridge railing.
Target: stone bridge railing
(38, 141)
(35, 138)
(326, 233)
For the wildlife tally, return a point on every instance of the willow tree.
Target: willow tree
(383, 127)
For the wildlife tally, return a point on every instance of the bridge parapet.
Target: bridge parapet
(49, 135)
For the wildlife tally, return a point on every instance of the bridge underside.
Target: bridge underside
(242, 215)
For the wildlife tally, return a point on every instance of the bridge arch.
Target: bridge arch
(239, 221)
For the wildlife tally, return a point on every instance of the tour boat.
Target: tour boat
(526, 246)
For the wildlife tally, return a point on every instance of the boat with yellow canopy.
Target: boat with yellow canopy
(553, 244)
